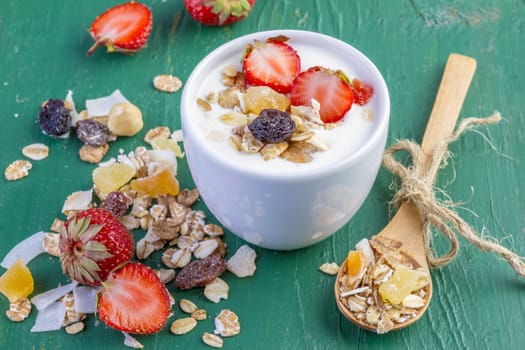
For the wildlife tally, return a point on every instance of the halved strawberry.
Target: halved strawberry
(134, 300)
(328, 87)
(122, 28)
(362, 92)
(271, 63)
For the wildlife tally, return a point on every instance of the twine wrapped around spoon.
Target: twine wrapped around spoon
(417, 187)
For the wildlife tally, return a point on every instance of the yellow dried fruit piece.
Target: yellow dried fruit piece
(166, 144)
(111, 178)
(354, 263)
(17, 282)
(163, 182)
(403, 282)
(258, 98)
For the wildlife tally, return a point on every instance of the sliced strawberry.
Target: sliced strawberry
(328, 87)
(271, 63)
(134, 300)
(362, 92)
(122, 28)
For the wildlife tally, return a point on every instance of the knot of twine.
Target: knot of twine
(417, 187)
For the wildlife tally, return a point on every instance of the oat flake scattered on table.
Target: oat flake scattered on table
(167, 83)
(17, 170)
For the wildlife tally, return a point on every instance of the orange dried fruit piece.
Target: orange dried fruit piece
(403, 282)
(354, 263)
(17, 282)
(163, 182)
(258, 98)
(111, 178)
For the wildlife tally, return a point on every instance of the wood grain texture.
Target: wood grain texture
(478, 301)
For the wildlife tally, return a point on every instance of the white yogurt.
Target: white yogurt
(345, 140)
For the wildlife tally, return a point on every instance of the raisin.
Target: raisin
(199, 273)
(272, 126)
(92, 132)
(117, 203)
(54, 118)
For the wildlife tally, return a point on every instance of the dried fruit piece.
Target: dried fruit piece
(36, 151)
(92, 132)
(54, 118)
(403, 282)
(200, 272)
(227, 323)
(354, 263)
(117, 203)
(257, 98)
(110, 178)
(163, 182)
(17, 282)
(272, 126)
(17, 170)
(93, 243)
(162, 143)
(167, 83)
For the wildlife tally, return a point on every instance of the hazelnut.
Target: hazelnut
(125, 119)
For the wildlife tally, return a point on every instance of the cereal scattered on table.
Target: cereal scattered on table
(167, 83)
(17, 170)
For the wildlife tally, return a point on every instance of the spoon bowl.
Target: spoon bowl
(406, 227)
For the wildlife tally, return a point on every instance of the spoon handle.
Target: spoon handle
(453, 88)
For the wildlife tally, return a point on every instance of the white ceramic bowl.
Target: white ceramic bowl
(286, 210)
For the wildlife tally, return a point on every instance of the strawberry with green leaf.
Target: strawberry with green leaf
(219, 12)
(92, 243)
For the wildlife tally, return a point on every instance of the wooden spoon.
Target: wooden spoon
(406, 226)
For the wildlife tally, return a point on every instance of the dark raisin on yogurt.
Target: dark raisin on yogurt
(55, 118)
(272, 126)
(92, 132)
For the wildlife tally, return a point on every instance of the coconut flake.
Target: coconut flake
(43, 300)
(79, 200)
(100, 107)
(75, 117)
(51, 318)
(131, 342)
(164, 157)
(85, 299)
(26, 250)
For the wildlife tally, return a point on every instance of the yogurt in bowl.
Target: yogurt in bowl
(276, 203)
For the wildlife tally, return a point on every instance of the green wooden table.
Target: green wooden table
(478, 300)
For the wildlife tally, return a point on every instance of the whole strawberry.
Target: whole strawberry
(219, 12)
(122, 28)
(93, 243)
(134, 300)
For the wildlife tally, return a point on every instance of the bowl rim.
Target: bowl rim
(383, 112)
